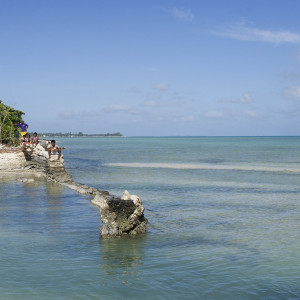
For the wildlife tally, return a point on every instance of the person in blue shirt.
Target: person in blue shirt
(23, 126)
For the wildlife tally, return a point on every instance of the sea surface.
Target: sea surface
(224, 222)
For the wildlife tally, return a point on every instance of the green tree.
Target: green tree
(8, 117)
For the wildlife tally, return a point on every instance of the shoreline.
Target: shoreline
(119, 215)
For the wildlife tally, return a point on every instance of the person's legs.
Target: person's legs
(49, 152)
(59, 153)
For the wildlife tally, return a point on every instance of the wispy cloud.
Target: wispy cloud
(120, 107)
(246, 98)
(153, 103)
(188, 118)
(244, 33)
(214, 114)
(161, 86)
(81, 114)
(182, 14)
(250, 113)
(291, 76)
(231, 114)
(134, 90)
(174, 118)
(292, 92)
(111, 109)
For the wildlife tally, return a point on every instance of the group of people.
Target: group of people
(26, 140)
(25, 136)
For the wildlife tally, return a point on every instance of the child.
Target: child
(16, 136)
(53, 149)
(35, 139)
(26, 141)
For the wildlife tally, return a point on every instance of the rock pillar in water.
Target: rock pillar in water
(121, 216)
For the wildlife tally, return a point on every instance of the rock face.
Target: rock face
(121, 216)
(37, 158)
(12, 161)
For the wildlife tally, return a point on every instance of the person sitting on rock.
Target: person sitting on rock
(53, 149)
(26, 141)
(35, 139)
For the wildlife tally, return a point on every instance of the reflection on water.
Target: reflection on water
(54, 191)
(122, 255)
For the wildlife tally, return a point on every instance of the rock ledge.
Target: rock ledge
(120, 216)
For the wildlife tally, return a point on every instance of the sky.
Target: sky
(153, 67)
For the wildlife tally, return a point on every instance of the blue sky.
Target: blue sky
(153, 67)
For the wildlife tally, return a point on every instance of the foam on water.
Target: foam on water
(183, 166)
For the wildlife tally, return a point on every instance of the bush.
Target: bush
(8, 117)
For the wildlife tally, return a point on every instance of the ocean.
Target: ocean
(224, 222)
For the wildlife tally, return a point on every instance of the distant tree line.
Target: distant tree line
(8, 117)
(79, 134)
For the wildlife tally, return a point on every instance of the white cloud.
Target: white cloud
(213, 114)
(292, 92)
(250, 113)
(161, 86)
(246, 98)
(151, 103)
(188, 118)
(181, 14)
(243, 33)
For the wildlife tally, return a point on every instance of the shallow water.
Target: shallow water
(223, 222)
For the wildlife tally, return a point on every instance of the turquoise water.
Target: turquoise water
(224, 220)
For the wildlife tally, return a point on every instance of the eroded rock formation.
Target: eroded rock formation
(37, 158)
(120, 216)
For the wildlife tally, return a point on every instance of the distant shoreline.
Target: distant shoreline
(80, 134)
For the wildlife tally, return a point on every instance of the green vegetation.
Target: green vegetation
(8, 117)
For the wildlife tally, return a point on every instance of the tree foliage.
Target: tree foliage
(8, 117)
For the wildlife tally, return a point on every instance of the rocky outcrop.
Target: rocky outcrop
(37, 158)
(120, 216)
